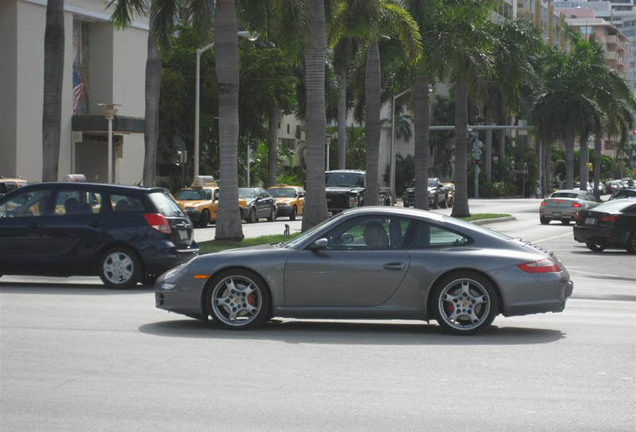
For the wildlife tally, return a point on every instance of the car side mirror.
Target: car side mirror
(320, 244)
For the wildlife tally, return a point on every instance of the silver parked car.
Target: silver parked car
(373, 263)
(564, 204)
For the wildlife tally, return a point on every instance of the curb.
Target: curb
(494, 220)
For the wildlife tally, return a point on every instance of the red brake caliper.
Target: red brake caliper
(251, 299)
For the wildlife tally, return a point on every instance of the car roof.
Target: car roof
(101, 186)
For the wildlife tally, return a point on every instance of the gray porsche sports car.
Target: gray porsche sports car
(373, 263)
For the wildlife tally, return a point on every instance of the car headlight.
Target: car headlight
(167, 286)
(353, 201)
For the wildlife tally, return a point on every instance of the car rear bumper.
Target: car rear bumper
(585, 234)
(159, 260)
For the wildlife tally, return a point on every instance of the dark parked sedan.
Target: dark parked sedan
(123, 234)
(611, 224)
(373, 263)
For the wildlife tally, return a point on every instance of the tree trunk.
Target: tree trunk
(315, 125)
(342, 116)
(569, 154)
(273, 145)
(373, 84)
(583, 160)
(153, 93)
(460, 207)
(597, 164)
(422, 149)
(228, 222)
(488, 145)
(53, 79)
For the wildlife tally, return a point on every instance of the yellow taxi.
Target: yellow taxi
(290, 200)
(200, 200)
(9, 184)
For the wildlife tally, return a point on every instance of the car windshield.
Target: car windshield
(614, 206)
(246, 193)
(193, 194)
(432, 183)
(345, 179)
(282, 192)
(165, 204)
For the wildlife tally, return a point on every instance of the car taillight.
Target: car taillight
(579, 218)
(543, 203)
(608, 218)
(158, 222)
(540, 266)
(577, 205)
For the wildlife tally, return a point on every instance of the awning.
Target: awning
(98, 123)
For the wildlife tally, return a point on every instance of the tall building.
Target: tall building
(102, 65)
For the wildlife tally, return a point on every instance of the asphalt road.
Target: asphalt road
(77, 357)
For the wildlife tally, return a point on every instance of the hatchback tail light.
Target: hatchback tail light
(576, 205)
(158, 222)
(608, 218)
(541, 266)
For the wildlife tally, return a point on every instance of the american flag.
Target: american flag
(79, 104)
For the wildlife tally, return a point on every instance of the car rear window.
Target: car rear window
(564, 195)
(165, 205)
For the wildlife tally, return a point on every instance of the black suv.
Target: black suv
(124, 234)
(345, 189)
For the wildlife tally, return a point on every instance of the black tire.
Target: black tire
(205, 218)
(544, 220)
(465, 302)
(238, 299)
(272, 214)
(436, 202)
(119, 268)
(565, 221)
(631, 243)
(251, 216)
(596, 246)
(292, 216)
(443, 203)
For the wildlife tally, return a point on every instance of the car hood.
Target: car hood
(284, 200)
(193, 203)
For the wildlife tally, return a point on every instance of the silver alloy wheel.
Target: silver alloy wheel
(236, 301)
(118, 267)
(464, 304)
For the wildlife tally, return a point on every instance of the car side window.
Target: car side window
(25, 204)
(70, 202)
(125, 203)
(367, 233)
(421, 235)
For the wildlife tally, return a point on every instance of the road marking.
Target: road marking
(553, 237)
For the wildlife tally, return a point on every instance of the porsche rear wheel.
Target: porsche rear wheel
(465, 302)
(238, 299)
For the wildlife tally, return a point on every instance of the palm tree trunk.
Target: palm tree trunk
(422, 149)
(273, 145)
(583, 160)
(488, 144)
(315, 60)
(373, 84)
(153, 93)
(460, 207)
(597, 163)
(228, 222)
(53, 79)
(342, 116)
(569, 154)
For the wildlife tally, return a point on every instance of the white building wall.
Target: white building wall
(8, 89)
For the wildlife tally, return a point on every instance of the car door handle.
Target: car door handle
(394, 266)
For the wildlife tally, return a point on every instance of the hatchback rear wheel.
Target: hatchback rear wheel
(119, 268)
(465, 302)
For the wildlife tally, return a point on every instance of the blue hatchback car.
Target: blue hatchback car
(123, 234)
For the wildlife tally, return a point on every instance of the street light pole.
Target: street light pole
(197, 93)
(392, 149)
(110, 115)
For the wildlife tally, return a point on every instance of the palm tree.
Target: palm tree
(53, 79)
(371, 21)
(122, 17)
(469, 52)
